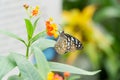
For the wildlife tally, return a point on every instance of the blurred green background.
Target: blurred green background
(96, 23)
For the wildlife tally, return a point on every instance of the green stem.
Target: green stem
(27, 50)
(19, 75)
(65, 78)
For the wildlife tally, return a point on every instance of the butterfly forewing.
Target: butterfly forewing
(67, 43)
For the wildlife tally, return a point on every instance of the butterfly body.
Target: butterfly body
(67, 43)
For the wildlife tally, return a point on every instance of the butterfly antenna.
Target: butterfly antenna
(61, 27)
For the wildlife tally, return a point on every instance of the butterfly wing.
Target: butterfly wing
(67, 43)
(60, 45)
(73, 43)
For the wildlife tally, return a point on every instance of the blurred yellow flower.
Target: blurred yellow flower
(79, 24)
(78, 21)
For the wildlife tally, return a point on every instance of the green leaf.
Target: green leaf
(42, 63)
(111, 67)
(29, 28)
(27, 70)
(91, 52)
(12, 35)
(108, 12)
(39, 35)
(6, 65)
(15, 77)
(44, 43)
(35, 24)
(74, 77)
(63, 68)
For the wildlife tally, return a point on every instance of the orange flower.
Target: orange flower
(51, 28)
(35, 11)
(66, 74)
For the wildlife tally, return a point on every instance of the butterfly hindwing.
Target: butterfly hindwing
(61, 45)
(67, 43)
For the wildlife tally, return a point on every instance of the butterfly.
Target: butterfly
(67, 43)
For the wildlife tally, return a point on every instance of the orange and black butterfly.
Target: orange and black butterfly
(67, 43)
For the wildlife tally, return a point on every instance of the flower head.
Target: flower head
(53, 76)
(66, 74)
(26, 6)
(35, 11)
(31, 11)
(51, 28)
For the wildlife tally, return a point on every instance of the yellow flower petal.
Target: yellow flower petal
(56, 35)
(88, 12)
(37, 7)
(51, 19)
(50, 76)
